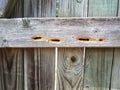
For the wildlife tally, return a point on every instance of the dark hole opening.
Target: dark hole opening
(36, 37)
(84, 39)
(55, 40)
(101, 39)
(73, 59)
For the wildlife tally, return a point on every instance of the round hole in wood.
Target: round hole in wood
(85, 39)
(73, 59)
(54, 40)
(37, 38)
(101, 39)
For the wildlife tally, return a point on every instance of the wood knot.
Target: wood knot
(73, 59)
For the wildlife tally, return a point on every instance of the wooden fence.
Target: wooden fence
(60, 53)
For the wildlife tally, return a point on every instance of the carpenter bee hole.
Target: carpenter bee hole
(37, 38)
(85, 39)
(101, 39)
(54, 40)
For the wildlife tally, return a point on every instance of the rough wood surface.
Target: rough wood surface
(70, 69)
(72, 8)
(11, 69)
(102, 8)
(39, 8)
(98, 68)
(39, 68)
(70, 66)
(13, 9)
(71, 32)
(99, 61)
(115, 77)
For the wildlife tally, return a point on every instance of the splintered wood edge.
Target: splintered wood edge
(60, 32)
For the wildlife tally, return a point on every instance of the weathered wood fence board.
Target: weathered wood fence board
(70, 60)
(40, 8)
(36, 66)
(72, 8)
(70, 69)
(74, 32)
(102, 8)
(11, 69)
(115, 78)
(40, 68)
(99, 69)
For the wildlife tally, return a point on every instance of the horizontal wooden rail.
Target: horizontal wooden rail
(60, 32)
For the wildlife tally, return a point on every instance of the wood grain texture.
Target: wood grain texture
(98, 68)
(102, 8)
(11, 69)
(98, 71)
(72, 8)
(115, 77)
(13, 9)
(40, 68)
(39, 8)
(70, 32)
(70, 69)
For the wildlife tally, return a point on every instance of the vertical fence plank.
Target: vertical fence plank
(70, 69)
(13, 9)
(102, 8)
(39, 63)
(100, 77)
(98, 68)
(72, 8)
(40, 68)
(39, 8)
(115, 78)
(11, 69)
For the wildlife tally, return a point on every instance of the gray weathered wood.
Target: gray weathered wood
(72, 8)
(70, 69)
(102, 8)
(99, 61)
(39, 8)
(13, 9)
(70, 66)
(40, 68)
(115, 77)
(11, 69)
(98, 68)
(91, 32)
